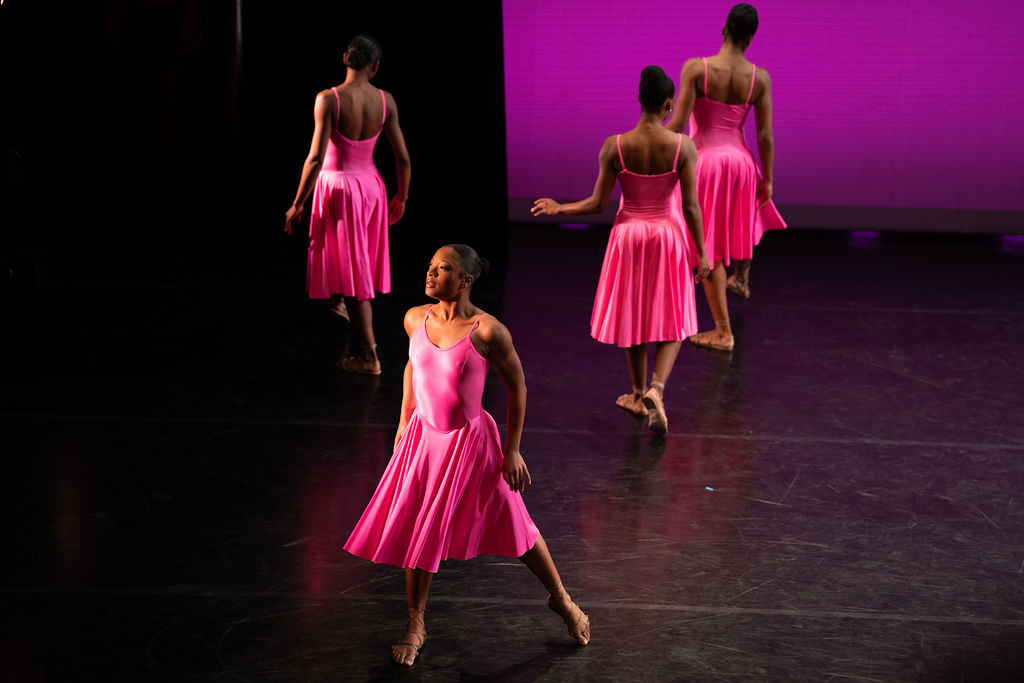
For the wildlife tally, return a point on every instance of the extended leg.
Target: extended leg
(719, 338)
(361, 317)
(417, 586)
(539, 561)
(636, 362)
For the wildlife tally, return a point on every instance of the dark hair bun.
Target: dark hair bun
(362, 51)
(742, 23)
(472, 262)
(655, 88)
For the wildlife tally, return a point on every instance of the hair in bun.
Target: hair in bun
(472, 262)
(362, 51)
(655, 88)
(742, 23)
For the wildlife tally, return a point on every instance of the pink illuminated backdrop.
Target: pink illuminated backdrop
(904, 104)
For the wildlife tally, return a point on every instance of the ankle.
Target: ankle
(657, 387)
(723, 327)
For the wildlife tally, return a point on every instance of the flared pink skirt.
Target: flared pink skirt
(348, 236)
(441, 497)
(645, 292)
(727, 192)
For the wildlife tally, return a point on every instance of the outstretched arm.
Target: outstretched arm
(403, 165)
(323, 117)
(765, 138)
(598, 199)
(502, 354)
(689, 78)
(691, 206)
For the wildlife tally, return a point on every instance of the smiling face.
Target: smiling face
(445, 276)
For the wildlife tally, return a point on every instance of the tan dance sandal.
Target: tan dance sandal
(400, 650)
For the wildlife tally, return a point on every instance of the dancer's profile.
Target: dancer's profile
(450, 489)
(735, 199)
(645, 291)
(349, 219)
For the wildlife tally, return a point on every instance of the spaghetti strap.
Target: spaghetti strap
(705, 60)
(619, 147)
(753, 79)
(337, 99)
(679, 146)
(384, 109)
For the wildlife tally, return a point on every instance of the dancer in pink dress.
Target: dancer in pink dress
(645, 292)
(735, 199)
(450, 491)
(348, 225)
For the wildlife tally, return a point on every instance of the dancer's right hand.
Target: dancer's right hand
(545, 206)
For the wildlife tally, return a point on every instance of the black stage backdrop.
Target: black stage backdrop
(162, 141)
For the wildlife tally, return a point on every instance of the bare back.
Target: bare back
(729, 80)
(649, 150)
(360, 111)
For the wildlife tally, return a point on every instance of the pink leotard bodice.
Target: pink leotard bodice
(448, 382)
(646, 196)
(717, 124)
(352, 156)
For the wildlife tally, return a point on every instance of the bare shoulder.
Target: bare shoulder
(325, 99)
(762, 78)
(414, 317)
(692, 67)
(687, 149)
(492, 334)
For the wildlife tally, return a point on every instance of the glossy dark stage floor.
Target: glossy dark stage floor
(841, 498)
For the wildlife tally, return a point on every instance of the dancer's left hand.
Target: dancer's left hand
(396, 209)
(703, 268)
(514, 472)
(764, 193)
(291, 217)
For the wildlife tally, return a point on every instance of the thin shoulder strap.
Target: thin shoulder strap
(679, 146)
(337, 100)
(384, 109)
(753, 78)
(618, 146)
(705, 60)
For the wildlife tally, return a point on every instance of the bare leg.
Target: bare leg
(636, 362)
(739, 282)
(538, 560)
(417, 586)
(361, 316)
(719, 338)
(664, 359)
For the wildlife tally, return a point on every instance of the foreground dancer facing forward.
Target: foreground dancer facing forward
(449, 490)
(348, 224)
(645, 293)
(734, 198)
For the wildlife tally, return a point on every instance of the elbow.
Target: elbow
(691, 209)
